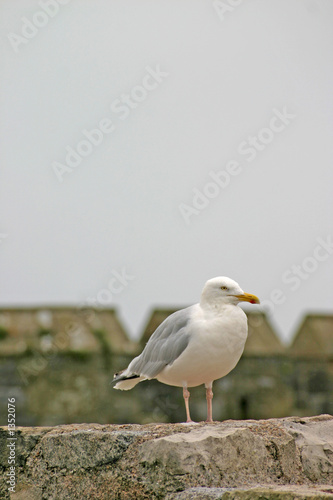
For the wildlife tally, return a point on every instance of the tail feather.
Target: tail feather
(126, 381)
(127, 384)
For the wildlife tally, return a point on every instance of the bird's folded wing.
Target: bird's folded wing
(166, 344)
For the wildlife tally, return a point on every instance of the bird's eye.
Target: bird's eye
(224, 288)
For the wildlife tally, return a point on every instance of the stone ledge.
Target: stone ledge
(293, 492)
(268, 459)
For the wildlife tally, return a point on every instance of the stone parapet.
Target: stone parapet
(287, 458)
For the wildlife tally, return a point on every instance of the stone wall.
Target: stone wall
(287, 459)
(58, 364)
(76, 387)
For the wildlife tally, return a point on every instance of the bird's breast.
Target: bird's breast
(214, 349)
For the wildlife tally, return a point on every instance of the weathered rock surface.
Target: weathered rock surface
(289, 458)
(271, 493)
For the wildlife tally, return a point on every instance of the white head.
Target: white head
(222, 290)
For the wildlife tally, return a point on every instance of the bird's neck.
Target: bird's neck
(215, 306)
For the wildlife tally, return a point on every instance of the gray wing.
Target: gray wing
(166, 344)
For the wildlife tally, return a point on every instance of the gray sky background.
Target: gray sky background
(223, 75)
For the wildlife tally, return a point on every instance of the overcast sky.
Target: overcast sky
(166, 142)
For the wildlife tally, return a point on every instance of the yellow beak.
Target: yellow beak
(248, 297)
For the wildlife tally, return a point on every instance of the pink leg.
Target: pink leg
(209, 397)
(186, 395)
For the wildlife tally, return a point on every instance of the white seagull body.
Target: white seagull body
(209, 355)
(196, 345)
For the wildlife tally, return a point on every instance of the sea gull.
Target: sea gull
(195, 345)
